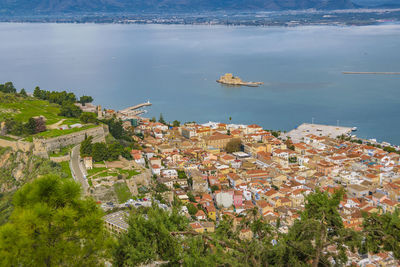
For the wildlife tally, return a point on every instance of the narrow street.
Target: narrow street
(76, 169)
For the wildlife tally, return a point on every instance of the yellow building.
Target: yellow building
(212, 213)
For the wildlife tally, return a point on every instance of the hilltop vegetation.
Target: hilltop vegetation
(22, 113)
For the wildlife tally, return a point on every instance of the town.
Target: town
(219, 170)
(212, 171)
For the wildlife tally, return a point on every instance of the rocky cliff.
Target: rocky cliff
(16, 169)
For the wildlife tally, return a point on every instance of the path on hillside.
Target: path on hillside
(55, 125)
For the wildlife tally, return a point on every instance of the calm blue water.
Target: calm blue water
(175, 67)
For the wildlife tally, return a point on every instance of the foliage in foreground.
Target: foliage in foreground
(317, 239)
(51, 225)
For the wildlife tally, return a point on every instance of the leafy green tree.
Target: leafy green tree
(85, 99)
(149, 238)
(37, 92)
(70, 110)
(8, 87)
(176, 123)
(153, 119)
(191, 196)
(214, 188)
(161, 119)
(99, 152)
(52, 226)
(86, 147)
(382, 232)
(191, 208)
(23, 93)
(14, 127)
(115, 128)
(114, 151)
(233, 146)
(320, 226)
(30, 126)
(88, 117)
(161, 188)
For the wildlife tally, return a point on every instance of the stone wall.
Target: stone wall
(52, 144)
(17, 145)
(42, 146)
(60, 159)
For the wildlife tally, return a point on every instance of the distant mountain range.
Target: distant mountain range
(74, 6)
(50, 6)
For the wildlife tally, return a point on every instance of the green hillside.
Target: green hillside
(23, 108)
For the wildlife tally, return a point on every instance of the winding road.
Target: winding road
(76, 169)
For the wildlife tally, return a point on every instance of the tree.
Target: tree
(37, 92)
(23, 93)
(51, 225)
(86, 147)
(382, 232)
(191, 197)
(15, 127)
(148, 238)
(191, 208)
(161, 188)
(8, 87)
(176, 123)
(99, 152)
(88, 117)
(114, 151)
(161, 119)
(320, 226)
(30, 126)
(153, 119)
(85, 99)
(115, 128)
(214, 188)
(233, 146)
(70, 110)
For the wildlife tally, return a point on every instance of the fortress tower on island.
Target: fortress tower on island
(229, 79)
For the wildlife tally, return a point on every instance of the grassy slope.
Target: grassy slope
(30, 107)
(21, 109)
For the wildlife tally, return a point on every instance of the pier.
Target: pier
(369, 73)
(135, 110)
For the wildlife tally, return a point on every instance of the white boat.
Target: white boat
(354, 129)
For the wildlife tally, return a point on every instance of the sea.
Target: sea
(175, 67)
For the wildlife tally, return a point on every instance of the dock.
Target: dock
(135, 110)
(305, 129)
(371, 73)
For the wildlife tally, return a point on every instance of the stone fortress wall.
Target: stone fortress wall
(41, 147)
(17, 145)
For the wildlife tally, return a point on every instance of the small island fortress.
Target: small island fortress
(229, 79)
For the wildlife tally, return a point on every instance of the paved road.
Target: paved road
(77, 169)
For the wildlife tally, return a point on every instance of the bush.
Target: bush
(88, 117)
